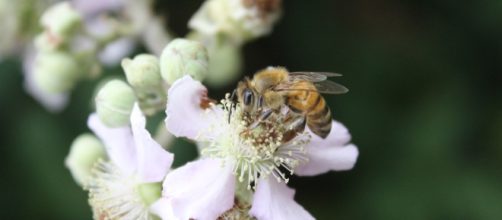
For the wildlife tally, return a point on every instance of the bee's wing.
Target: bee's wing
(330, 87)
(326, 86)
(312, 76)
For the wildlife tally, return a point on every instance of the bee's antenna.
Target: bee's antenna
(232, 98)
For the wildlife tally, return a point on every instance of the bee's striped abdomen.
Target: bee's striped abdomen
(311, 104)
(319, 119)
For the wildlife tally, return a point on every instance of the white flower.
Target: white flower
(122, 187)
(241, 20)
(236, 160)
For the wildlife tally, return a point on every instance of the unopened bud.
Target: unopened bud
(114, 103)
(56, 71)
(143, 74)
(183, 57)
(225, 63)
(85, 150)
(46, 42)
(61, 20)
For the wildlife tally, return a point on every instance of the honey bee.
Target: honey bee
(274, 87)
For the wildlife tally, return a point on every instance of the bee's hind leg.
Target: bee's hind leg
(296, 123)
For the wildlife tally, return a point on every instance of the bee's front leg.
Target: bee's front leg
(263, 116)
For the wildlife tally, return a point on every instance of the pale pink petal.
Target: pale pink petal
(333, 153)
(153, 160)
(163, 209)
(118, 142)
(117, 50)
(325, 159)
(99, 26)
(114, 52)
(338, 136)
(274, 200)
(94, 7)
(185, 117)
(52, 102)
(201, 190)
(155, 36)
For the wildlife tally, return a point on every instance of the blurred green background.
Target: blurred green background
(425, 109)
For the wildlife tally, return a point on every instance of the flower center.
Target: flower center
(256, 150)
(115, 195)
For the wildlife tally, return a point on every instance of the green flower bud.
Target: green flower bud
(44, 42)
(85, 150)
(225, 63)
(182, 57)
(56, 71)
(143, 74)
(61, 20)
(114, 103)
(142, 71)
(150, 192)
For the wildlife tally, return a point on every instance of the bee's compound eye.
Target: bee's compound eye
(247, 95)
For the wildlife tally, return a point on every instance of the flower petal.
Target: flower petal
(185, 117)
(155, 37)
(163, 209)
(94, 7)
(118, 142)
(338, 136)
(115, 51)
(201, 190)
(332, 153)
(153, 160)
(275, 201)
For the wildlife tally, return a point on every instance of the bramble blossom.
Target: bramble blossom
(124, 186)
(240, 167)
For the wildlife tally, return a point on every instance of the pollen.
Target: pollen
(256, 151)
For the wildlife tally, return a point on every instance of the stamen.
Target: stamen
(114, 195)
(256, 152)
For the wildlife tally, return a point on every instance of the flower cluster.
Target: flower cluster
(78, 38)
(244, 165)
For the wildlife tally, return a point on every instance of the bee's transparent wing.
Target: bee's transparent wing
(327, 87)
(312, 76)
(330, 87)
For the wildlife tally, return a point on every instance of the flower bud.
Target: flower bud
(225, 63)
(143, 74)
(56, 71)
(182, 57)
(45, 42)
(142, 71)
(85, 150)
(114, 103)
(61, 20)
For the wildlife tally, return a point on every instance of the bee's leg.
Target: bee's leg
(296, 123)
(263, 116)
(232, 98)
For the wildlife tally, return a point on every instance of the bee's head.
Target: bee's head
(247, 96)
